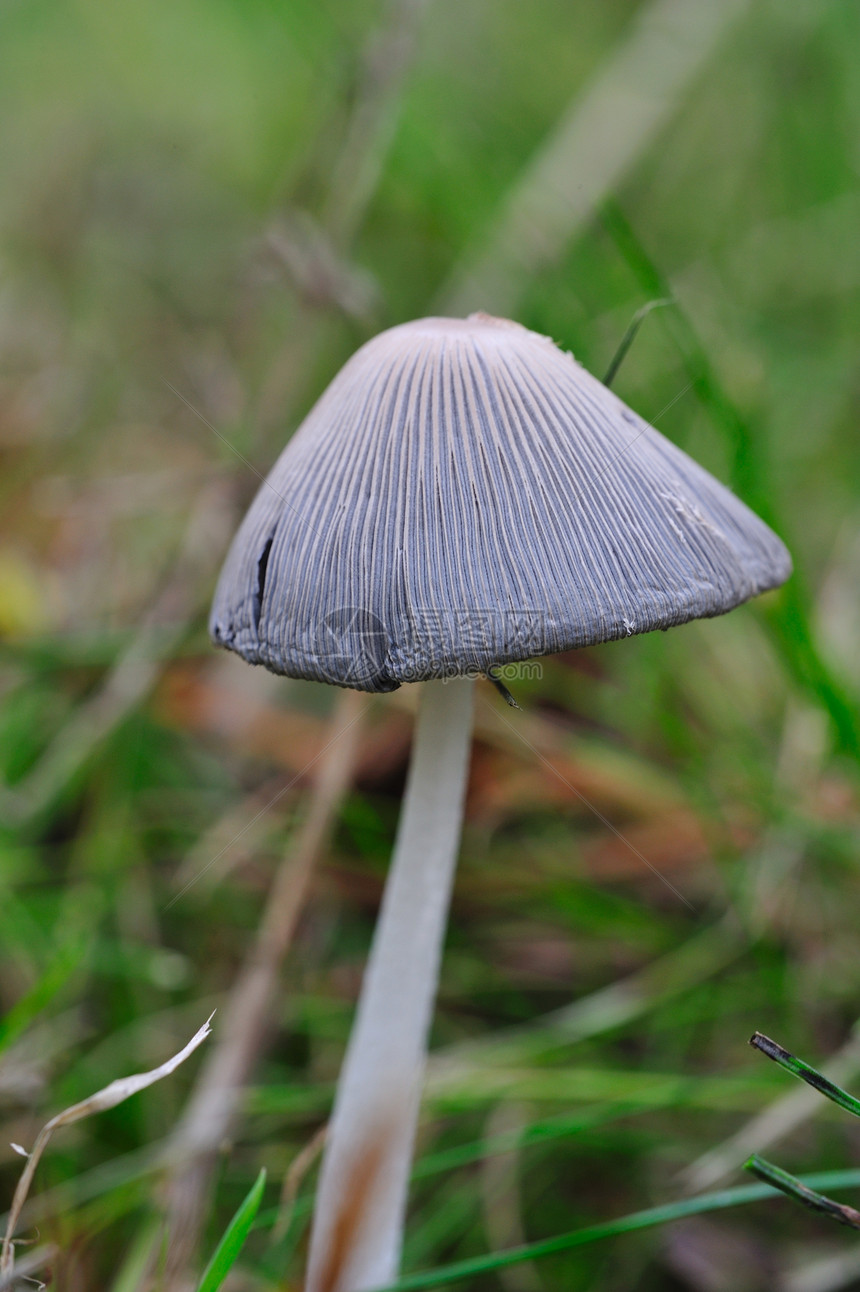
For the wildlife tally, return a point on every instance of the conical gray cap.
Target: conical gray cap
(463, 495)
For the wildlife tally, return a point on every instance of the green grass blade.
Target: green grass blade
(630, 336)
(234, 1238)
(791, 616)
(802, 1070)
(133, 1271)
(52, 981)
(654, 1216)
(789, 1184)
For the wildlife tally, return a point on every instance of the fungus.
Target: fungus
(463, 496)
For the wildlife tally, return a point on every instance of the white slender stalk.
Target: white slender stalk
(361, 1201)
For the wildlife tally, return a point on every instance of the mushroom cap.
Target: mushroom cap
(464, 495)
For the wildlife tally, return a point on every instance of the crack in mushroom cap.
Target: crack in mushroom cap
(465, 495)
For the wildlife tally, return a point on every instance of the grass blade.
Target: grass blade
(116, 1092)
(801, 1192)
(40, 995)
(637, 1220)
(802, 1070)
(234, 1237)
(791, 617)
(630, 336)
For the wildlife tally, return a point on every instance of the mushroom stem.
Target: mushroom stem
(361, 1200)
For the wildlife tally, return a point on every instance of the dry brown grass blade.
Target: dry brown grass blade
(501, 1194)
(108, 1097)
(299, 1167)
(27, 1266)
(214, 1105)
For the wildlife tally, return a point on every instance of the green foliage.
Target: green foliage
(224, 199)
(67, 960)
(649, 1219)
(233, 1240)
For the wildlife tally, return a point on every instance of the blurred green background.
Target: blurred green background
(205, 208)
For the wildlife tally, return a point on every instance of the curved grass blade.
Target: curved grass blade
(801, 1192)
(654, 1216)
(630, 335)
(234, 1237)
(116, 1092)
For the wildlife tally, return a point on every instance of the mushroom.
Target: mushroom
(464, 495)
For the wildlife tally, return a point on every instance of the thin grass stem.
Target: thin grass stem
(798, 1068)
(789, 1184)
